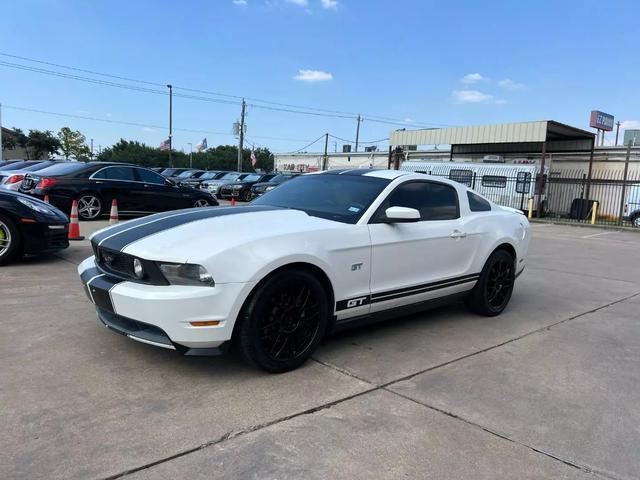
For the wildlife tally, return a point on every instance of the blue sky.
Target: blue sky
(433, 62)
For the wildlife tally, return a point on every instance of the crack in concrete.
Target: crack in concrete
(375, 387)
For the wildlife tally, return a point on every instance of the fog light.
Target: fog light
(138, 270)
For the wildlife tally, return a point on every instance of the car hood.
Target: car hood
(196, 235)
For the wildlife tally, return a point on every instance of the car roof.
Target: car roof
(366, 172)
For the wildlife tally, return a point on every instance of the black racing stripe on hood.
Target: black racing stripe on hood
(120, 227)
(120, 241)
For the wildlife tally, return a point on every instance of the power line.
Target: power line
(306, 146)
(290, 108)
(352, 141)
(136, 124)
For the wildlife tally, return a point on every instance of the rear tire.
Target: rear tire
(493, 291)
(246, 196)
(283, 321)
(635, 220)
(90, 206)
(10, 241)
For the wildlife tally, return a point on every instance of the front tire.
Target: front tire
(201, 203)
(246, 196)
(493, 291)
(90, 206)
(9, 240)
(283, 322)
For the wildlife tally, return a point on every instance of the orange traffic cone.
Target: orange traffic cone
(74, 226)
(113, 216)
(46, 199)
(233, 201)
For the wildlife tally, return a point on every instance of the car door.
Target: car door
(117, 182)
(418, 261)
(158, 195)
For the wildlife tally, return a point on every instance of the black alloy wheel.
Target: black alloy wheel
(201, 202)
(492, 292)
(245, 196)
(284, 321)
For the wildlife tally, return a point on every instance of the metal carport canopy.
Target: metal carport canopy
(532, 133)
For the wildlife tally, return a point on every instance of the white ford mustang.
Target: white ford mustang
(319, 252)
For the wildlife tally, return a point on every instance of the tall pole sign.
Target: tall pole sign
(601, 121)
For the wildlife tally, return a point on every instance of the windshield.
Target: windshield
(230, 176)
(343, 198)
(62, 168)
(186, 174)
(251, 178)
(38, 166)
(18, 165)
(208, 175)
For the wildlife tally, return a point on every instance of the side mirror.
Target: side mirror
(401, 215)
(170, 182)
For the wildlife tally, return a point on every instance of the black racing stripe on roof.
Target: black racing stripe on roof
(120, 241)
(358, 172)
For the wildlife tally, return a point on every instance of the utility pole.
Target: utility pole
(170, 87)
(358, 132)
(241, 142)
(190, 155)
(326, 144)
(617, 131)
(91, 149)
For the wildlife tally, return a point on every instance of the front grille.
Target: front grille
(119, 264)
(58, 238)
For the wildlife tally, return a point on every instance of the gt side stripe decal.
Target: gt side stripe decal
(432, 285)
(422, 290)
(404, 292)
(121, 239)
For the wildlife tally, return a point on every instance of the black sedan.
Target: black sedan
(196, 182)
(242, 188)
(29, 226)
(261, 188)
(94, 185)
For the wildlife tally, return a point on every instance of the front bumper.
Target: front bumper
(160, 315)
(44, 238)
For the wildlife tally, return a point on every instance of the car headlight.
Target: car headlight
(33, 205)
(186, 274)
(237, 187)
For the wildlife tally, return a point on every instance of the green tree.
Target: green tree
(73, 144)
(41, 143)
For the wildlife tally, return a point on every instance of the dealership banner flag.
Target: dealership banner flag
(202, 145)
(165, 145)
(254, 160)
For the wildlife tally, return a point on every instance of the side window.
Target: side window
(494, 181)
(523, 182)
(149, 176)
(115, 173)
(477, 203)
(461, 176)
(434, 201)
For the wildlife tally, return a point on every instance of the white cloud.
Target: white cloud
(147, 129)
(509, 84)
(108, 115)
(630, 124)
(240, 3)
(470, 78)
(330, 4)
(300, 3)
(408, 120)
(313, 76)
(470, 96)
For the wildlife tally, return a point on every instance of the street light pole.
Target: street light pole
(170, 87)
(190, 155)
(1, 133)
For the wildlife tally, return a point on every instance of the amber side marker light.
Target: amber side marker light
(28, 220)
(210, 323)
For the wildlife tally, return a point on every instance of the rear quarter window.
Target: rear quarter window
(477, 203)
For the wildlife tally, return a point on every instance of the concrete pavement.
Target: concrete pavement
(547, 390)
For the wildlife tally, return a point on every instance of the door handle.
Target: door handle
(458, 234)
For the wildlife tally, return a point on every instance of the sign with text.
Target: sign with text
(601, 121)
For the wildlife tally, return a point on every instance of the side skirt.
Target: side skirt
(390, 313)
